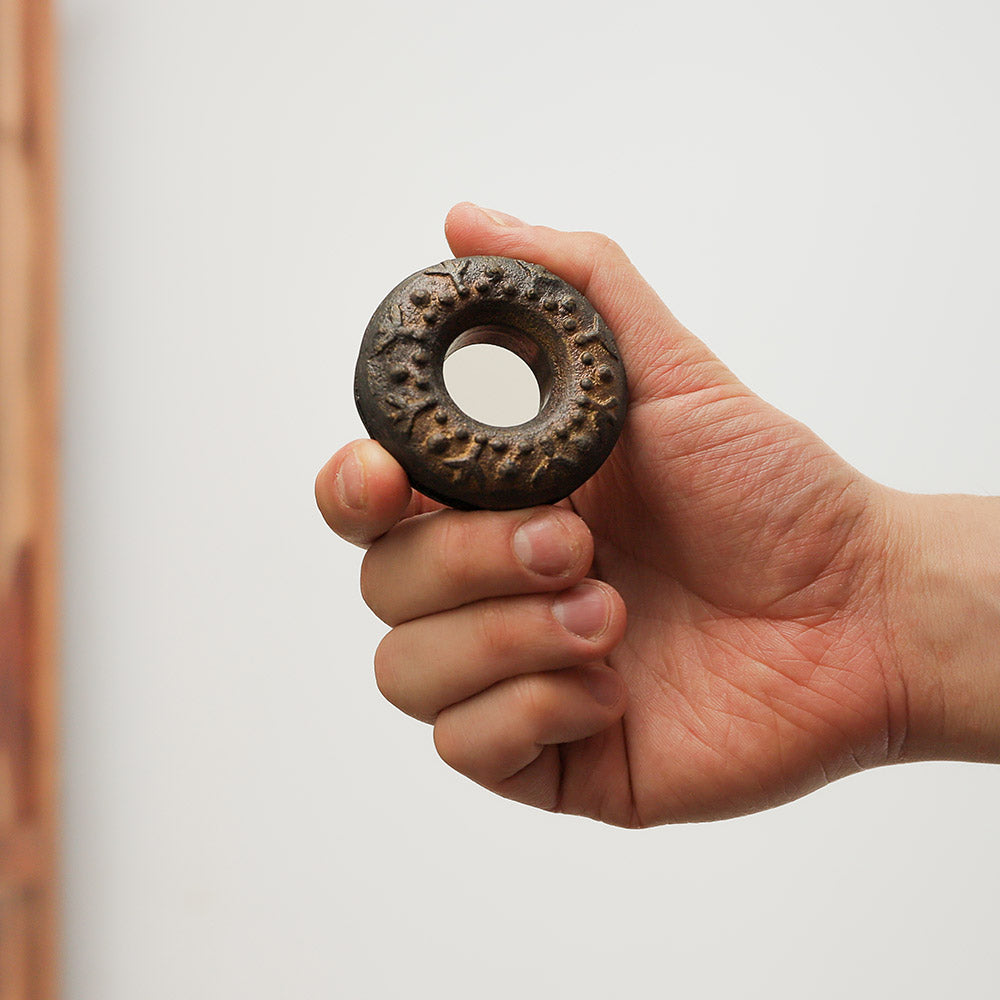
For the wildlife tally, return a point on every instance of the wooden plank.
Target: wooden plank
(28, 498)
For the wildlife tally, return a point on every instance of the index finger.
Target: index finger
(362, 492)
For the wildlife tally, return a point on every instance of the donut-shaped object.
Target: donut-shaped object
(450, 456)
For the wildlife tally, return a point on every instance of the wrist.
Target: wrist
(944, 619)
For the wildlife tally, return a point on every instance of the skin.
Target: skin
(762, 618)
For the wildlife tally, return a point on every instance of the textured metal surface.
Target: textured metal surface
(400, 391)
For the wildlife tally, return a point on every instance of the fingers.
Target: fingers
(661, 356)
(590, 262)
(363, 491)
(499, 736)
(450, 558)
(424, 666)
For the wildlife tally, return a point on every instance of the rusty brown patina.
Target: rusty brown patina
(450, 456)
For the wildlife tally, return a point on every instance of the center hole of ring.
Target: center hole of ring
(497, 375)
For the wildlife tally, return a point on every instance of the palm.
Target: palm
(733, 535)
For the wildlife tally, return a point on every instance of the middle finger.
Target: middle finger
(448, 558)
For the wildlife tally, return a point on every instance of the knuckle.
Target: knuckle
(497, 635)
(531, 700)
(398, 683)
(386, 677)
(604, 247)
(452, 744)
(370, 582)
(453, 566)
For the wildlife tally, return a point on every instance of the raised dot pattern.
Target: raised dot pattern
(437, 292)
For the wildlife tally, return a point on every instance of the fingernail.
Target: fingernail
(583, 610)
(500, 218)
(604, 685)
(351, 482)
(545, 545)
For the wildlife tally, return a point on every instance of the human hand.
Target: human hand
(768, 587)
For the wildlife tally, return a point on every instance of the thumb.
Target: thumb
(661, 356)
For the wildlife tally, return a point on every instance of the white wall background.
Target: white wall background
(812, 187)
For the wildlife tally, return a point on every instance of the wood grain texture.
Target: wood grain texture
(28, 499)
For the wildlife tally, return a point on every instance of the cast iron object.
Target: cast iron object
(401, 396)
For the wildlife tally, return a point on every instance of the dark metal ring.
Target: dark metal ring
(400, 391)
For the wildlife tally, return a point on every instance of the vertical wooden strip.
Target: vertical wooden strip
(28, 503)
